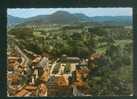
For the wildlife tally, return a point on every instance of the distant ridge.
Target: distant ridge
(12, 20)
(114, 20)
(64, 17)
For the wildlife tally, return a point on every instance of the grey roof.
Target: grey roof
(71, 59)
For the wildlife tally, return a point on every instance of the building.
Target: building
(71, 62)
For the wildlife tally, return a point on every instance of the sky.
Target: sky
(91, 12)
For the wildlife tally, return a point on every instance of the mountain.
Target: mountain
(63, 17)
(59, 17)
(12, 21)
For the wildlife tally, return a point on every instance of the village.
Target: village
(65, 76)
(69, 52)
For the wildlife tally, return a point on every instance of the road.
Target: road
(25, 59)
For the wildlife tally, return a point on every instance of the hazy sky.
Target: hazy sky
(25, 13)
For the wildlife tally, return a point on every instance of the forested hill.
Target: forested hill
(113, 20)
(63, 17)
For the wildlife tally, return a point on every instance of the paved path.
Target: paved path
(25, 59)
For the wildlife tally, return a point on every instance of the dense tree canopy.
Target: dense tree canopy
(109, 75)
